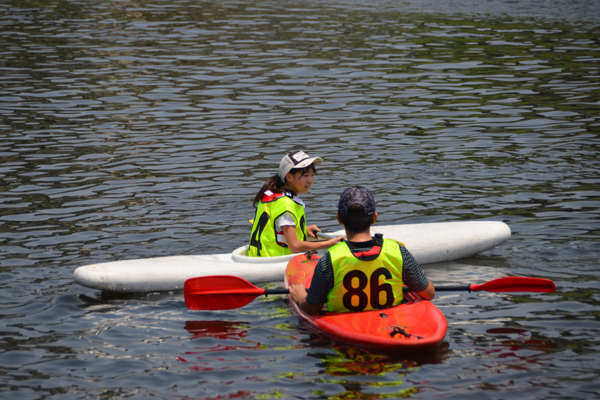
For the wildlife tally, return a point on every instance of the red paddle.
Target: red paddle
(224, 292)
(507, 284)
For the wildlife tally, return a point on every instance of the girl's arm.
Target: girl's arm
(299, 246)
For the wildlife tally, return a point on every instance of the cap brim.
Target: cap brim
(305, 163)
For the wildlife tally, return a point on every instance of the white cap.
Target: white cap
(296, 159)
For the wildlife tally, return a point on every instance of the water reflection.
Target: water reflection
(359, 373)
(349, 361)
(216, 329)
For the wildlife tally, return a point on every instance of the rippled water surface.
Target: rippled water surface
(136, 129)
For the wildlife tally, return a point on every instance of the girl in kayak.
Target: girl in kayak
(279, 226)
(352, 275)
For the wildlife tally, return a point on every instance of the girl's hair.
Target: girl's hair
(275, 184)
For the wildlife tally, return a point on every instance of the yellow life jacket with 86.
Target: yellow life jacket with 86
(366, 285)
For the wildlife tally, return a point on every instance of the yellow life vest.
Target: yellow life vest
(366, 285)
(263, 240)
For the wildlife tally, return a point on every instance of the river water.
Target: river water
(136, 129)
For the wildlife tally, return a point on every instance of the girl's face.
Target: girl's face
(300, 181)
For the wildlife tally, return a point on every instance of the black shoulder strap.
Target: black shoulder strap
(378, 239)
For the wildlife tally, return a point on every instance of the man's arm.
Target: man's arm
(319, 287)
(414, 277)
(298, 294)
(428, 293)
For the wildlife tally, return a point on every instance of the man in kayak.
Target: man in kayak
(362, 273)
(279, 226)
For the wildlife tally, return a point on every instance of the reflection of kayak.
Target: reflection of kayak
(428, 243)
(415, 325)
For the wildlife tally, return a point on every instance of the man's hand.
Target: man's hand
(297, 292)
(298, 295)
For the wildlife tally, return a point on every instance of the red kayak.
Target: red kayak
(414, 325)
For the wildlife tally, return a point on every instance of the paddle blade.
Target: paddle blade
(219, 292)
(516, 284)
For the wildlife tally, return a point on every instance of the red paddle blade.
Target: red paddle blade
(516, 284)
(219, 292)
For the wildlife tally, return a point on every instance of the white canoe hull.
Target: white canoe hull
(428, 243)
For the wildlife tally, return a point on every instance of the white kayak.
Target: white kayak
(428, 243)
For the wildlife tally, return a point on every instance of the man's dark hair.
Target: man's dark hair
(355, 221)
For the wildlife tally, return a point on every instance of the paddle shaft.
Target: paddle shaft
(276, 291)
(406, 289)
(532, 285)
(448, 288)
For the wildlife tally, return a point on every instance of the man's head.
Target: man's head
(356, 209)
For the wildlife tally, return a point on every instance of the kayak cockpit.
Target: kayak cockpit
(241, 255)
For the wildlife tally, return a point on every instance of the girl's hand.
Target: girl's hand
(333, 242)
(312, 231)
(299, 246)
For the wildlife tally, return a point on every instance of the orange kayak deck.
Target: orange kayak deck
(415, 325)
